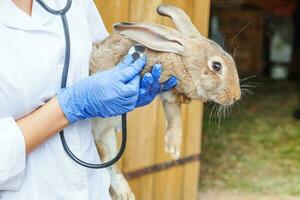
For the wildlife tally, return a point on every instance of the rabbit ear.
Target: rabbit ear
(181, 20)
(154, 36)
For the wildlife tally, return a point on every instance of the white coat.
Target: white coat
(31, 63)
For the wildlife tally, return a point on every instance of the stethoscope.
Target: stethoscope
(63, 13)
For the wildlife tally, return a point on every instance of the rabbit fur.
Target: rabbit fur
(203, 69)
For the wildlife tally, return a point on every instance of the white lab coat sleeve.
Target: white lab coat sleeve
(97, 28)
(12, 155)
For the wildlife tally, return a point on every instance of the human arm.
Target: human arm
(100, 97)
(41, 124)
(18, 138)
(108, 93)
(21, 137)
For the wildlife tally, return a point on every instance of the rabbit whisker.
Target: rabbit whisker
(247, 78)
(211, 113)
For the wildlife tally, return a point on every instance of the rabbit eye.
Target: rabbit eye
(217, 66)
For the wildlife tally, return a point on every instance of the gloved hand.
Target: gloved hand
(105, 94)
(150, 86)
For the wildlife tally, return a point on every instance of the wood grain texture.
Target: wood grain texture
(169, 185)
(113, 11)
(142, 122)
(193, 124)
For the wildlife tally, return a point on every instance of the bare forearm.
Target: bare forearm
(43, 123)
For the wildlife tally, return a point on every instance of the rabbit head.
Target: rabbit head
(212, 71)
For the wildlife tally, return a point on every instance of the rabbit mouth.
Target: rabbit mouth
(224, 101)
(221, 99)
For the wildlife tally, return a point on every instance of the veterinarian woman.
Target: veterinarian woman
(33, 164)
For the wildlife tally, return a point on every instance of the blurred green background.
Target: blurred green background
(257, 149)
(255, 152)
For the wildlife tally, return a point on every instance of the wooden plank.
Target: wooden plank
(113, 11)
(192, 143)
(139, 151)
(121, 8)
(144, 10)
(142, 123)
(194, 114)
(201, 14)
(168, 184)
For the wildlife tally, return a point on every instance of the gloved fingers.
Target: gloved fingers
(155, 88)
(132, 70)
(132, 87)
(129, 102)
(126, 61)
(142, 93)
(169, 84)
(125, 108)
(149, 91)
(146, 81)
(156, 71)
(144, 98)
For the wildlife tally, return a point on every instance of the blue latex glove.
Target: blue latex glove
(105, 94)
(150, 86)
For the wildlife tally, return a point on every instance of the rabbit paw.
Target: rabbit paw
(173, 144)
(119, 188)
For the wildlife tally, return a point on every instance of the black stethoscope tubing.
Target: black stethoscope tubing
(63, 13)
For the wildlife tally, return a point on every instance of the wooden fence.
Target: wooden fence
(145, 149)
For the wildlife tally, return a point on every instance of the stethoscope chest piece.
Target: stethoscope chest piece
(137, 51)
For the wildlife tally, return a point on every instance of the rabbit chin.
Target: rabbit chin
(221, 101)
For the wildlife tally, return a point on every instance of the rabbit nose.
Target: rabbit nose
(237, 95)
(233, 100)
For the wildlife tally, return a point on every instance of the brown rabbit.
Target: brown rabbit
(203, 69)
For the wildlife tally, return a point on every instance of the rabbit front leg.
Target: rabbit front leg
(173, 135)
(107, 147)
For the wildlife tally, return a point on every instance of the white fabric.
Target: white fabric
(31, 64)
